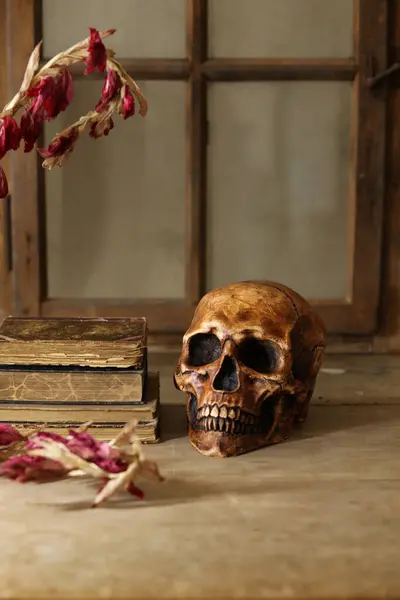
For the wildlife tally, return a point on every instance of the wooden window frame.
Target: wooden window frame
(357, 314)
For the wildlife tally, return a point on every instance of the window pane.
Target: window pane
(278, 205)
(145, 28)
(281, 28)
(115, 211)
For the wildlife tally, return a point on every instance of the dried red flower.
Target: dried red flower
(62, 145)
(65, 90)
(53, 95)
(127, 104)
(8, 434)
(102, 127)
(10, 135)
(102, 454)
(111, 89)
(135, 491)
(97, 57)
(31, 127)
(30, 468)
(3, 184)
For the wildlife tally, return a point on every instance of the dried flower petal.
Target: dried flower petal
(101, 127)
(29, 468)
(9, 434)
(10, 135)
(3, 184)
(31, 127)
(65, 90)
(61, 145)
(52, 94)
(127, 104)
(111, 89)
(97, 57)
(135, 491)
(44, 93)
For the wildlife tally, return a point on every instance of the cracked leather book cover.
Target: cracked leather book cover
(81, 342)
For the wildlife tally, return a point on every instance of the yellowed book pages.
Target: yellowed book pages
(146, 432)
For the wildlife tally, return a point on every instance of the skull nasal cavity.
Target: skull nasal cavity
(226, 380)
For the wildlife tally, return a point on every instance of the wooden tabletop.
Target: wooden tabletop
(317, 517)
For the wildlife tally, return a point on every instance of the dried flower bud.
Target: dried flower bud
(10, 135)
(59, 148)
(3, 185)
(97, 57)
(31, 127)
(65, 90)
(111, 89)
(101, 127)
(127, 104)
(8, 434)
(53, 95)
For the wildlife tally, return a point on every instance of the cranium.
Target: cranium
(248, 365)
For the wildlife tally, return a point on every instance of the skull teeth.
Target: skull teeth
(226, 419)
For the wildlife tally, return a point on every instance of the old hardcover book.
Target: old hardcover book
(84, 342)
(147, 432)
(77, 385)
(72, 412)
(105, 425)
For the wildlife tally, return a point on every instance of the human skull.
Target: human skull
(248, 365)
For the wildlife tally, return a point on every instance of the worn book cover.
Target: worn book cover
(85, 342)
(112, 412)
(60, 385)
(105, 423)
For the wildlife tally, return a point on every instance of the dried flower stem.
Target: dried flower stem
(46, 92)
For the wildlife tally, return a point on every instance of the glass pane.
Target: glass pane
(281, 28)
(278, 205)
(115, 211)
(145, 28)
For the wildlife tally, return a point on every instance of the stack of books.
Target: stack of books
(61, 373)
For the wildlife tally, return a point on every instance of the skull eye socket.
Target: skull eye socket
(260, 355)
(204, 348)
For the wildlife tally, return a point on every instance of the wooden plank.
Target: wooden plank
(266, 69)
(5, 273)
(388, 339)
(196, 148)
(145, 69)
(23, 180)
(370, 165)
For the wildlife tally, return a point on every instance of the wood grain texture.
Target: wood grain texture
(23, 181)
(265, 69)
(5, 225)
(369, 141)
(388, 338)
(196, 144)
